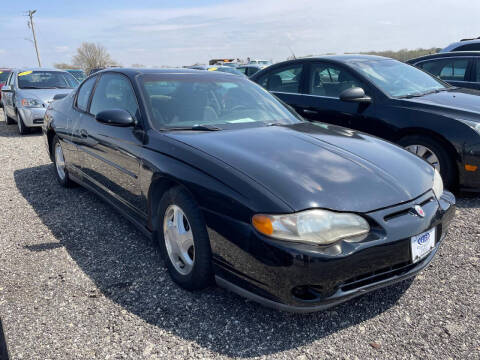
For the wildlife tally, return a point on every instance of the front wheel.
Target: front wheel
(8, 120)
(22, 129)
(184, 241)
(435, 154)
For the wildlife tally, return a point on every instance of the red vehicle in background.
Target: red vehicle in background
(3, 78)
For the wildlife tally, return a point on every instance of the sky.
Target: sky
(180, 32)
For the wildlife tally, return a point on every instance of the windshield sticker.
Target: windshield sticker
(238, 121)
(25, 73)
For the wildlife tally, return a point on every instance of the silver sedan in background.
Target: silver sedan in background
(28, 92)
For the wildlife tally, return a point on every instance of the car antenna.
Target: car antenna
(293, 54)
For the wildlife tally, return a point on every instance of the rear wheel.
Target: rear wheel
(22, 129)
(435, 154)
(61, 171)
(184, 241)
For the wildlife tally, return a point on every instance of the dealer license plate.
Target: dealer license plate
(422, 244)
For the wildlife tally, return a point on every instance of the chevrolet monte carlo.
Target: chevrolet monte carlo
(239, 190)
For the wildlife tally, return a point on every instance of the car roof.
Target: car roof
(444, 55)
(459, 43)
(132, 72)
(38, 69)
(345, 59)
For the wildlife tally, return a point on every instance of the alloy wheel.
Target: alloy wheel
(426, 154)
(59, 161)
(179, 240)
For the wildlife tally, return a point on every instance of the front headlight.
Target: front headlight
(437, 184)
(321, 227)
(473, 124)
(33, 103)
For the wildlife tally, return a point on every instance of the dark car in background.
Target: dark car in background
(226, 69)
(251, 69)
(459, 68)
(3, 79)
(78, 74)
(463, 45)
(238, 189)
(390, 99)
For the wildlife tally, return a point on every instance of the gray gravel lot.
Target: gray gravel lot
(77, 281)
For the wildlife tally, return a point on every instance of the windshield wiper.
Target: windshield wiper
(434, 91)
(193, 128)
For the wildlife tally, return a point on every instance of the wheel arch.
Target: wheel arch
(416, 131)
(159, 186)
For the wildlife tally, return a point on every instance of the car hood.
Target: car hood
(319, 166)
(45, 95)
(460, 103)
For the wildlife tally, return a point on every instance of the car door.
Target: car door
(457, 71)
(325, 82)
(286, 82)
(75, 119)
(110, 155)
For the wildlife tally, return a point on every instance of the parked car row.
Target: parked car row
(281, 188)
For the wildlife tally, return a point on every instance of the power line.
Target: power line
(31, 26)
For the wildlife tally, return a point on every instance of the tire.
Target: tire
(22, 129)
(8, 119)
(61, 173)
(198, 274)
(447, 165)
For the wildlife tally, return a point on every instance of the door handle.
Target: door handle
(83, 133)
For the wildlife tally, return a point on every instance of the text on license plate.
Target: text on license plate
(422, 244)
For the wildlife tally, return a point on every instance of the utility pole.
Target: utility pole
(30, 25)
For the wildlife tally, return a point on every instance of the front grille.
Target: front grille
(376, 276)
(38, 121)
(405, 211)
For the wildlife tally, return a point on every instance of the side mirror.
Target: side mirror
(59, 96)
(115, 117)
(6, 88)
(355, 94)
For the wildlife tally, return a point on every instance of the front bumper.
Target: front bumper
(303, 278)
(32, 117)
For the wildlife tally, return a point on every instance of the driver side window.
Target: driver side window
(114, 91)
(330, 80)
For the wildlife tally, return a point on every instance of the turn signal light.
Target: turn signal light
(263, 224)
(471, 167)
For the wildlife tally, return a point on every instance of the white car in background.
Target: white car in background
(28, 92)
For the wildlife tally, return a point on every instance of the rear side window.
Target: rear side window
(468, 47)
(286, 79)
(243, 70)
(84, 93)
(477, 71)
(447, 69)
(114, 91)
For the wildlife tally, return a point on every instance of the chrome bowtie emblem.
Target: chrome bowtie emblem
(419, 211)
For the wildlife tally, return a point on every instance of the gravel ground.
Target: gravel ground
(77, 281)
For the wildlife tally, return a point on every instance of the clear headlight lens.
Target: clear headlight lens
(34, 103)
(437, 184)
(320, 227)
(473, 124)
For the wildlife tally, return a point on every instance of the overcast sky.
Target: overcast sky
(179, 32)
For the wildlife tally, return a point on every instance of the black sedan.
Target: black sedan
(238, 189)
(389, 99)
(459, 68)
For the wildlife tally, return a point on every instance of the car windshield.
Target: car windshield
(189, 101)
(46, 80)
(398, 79)
(4, 75)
